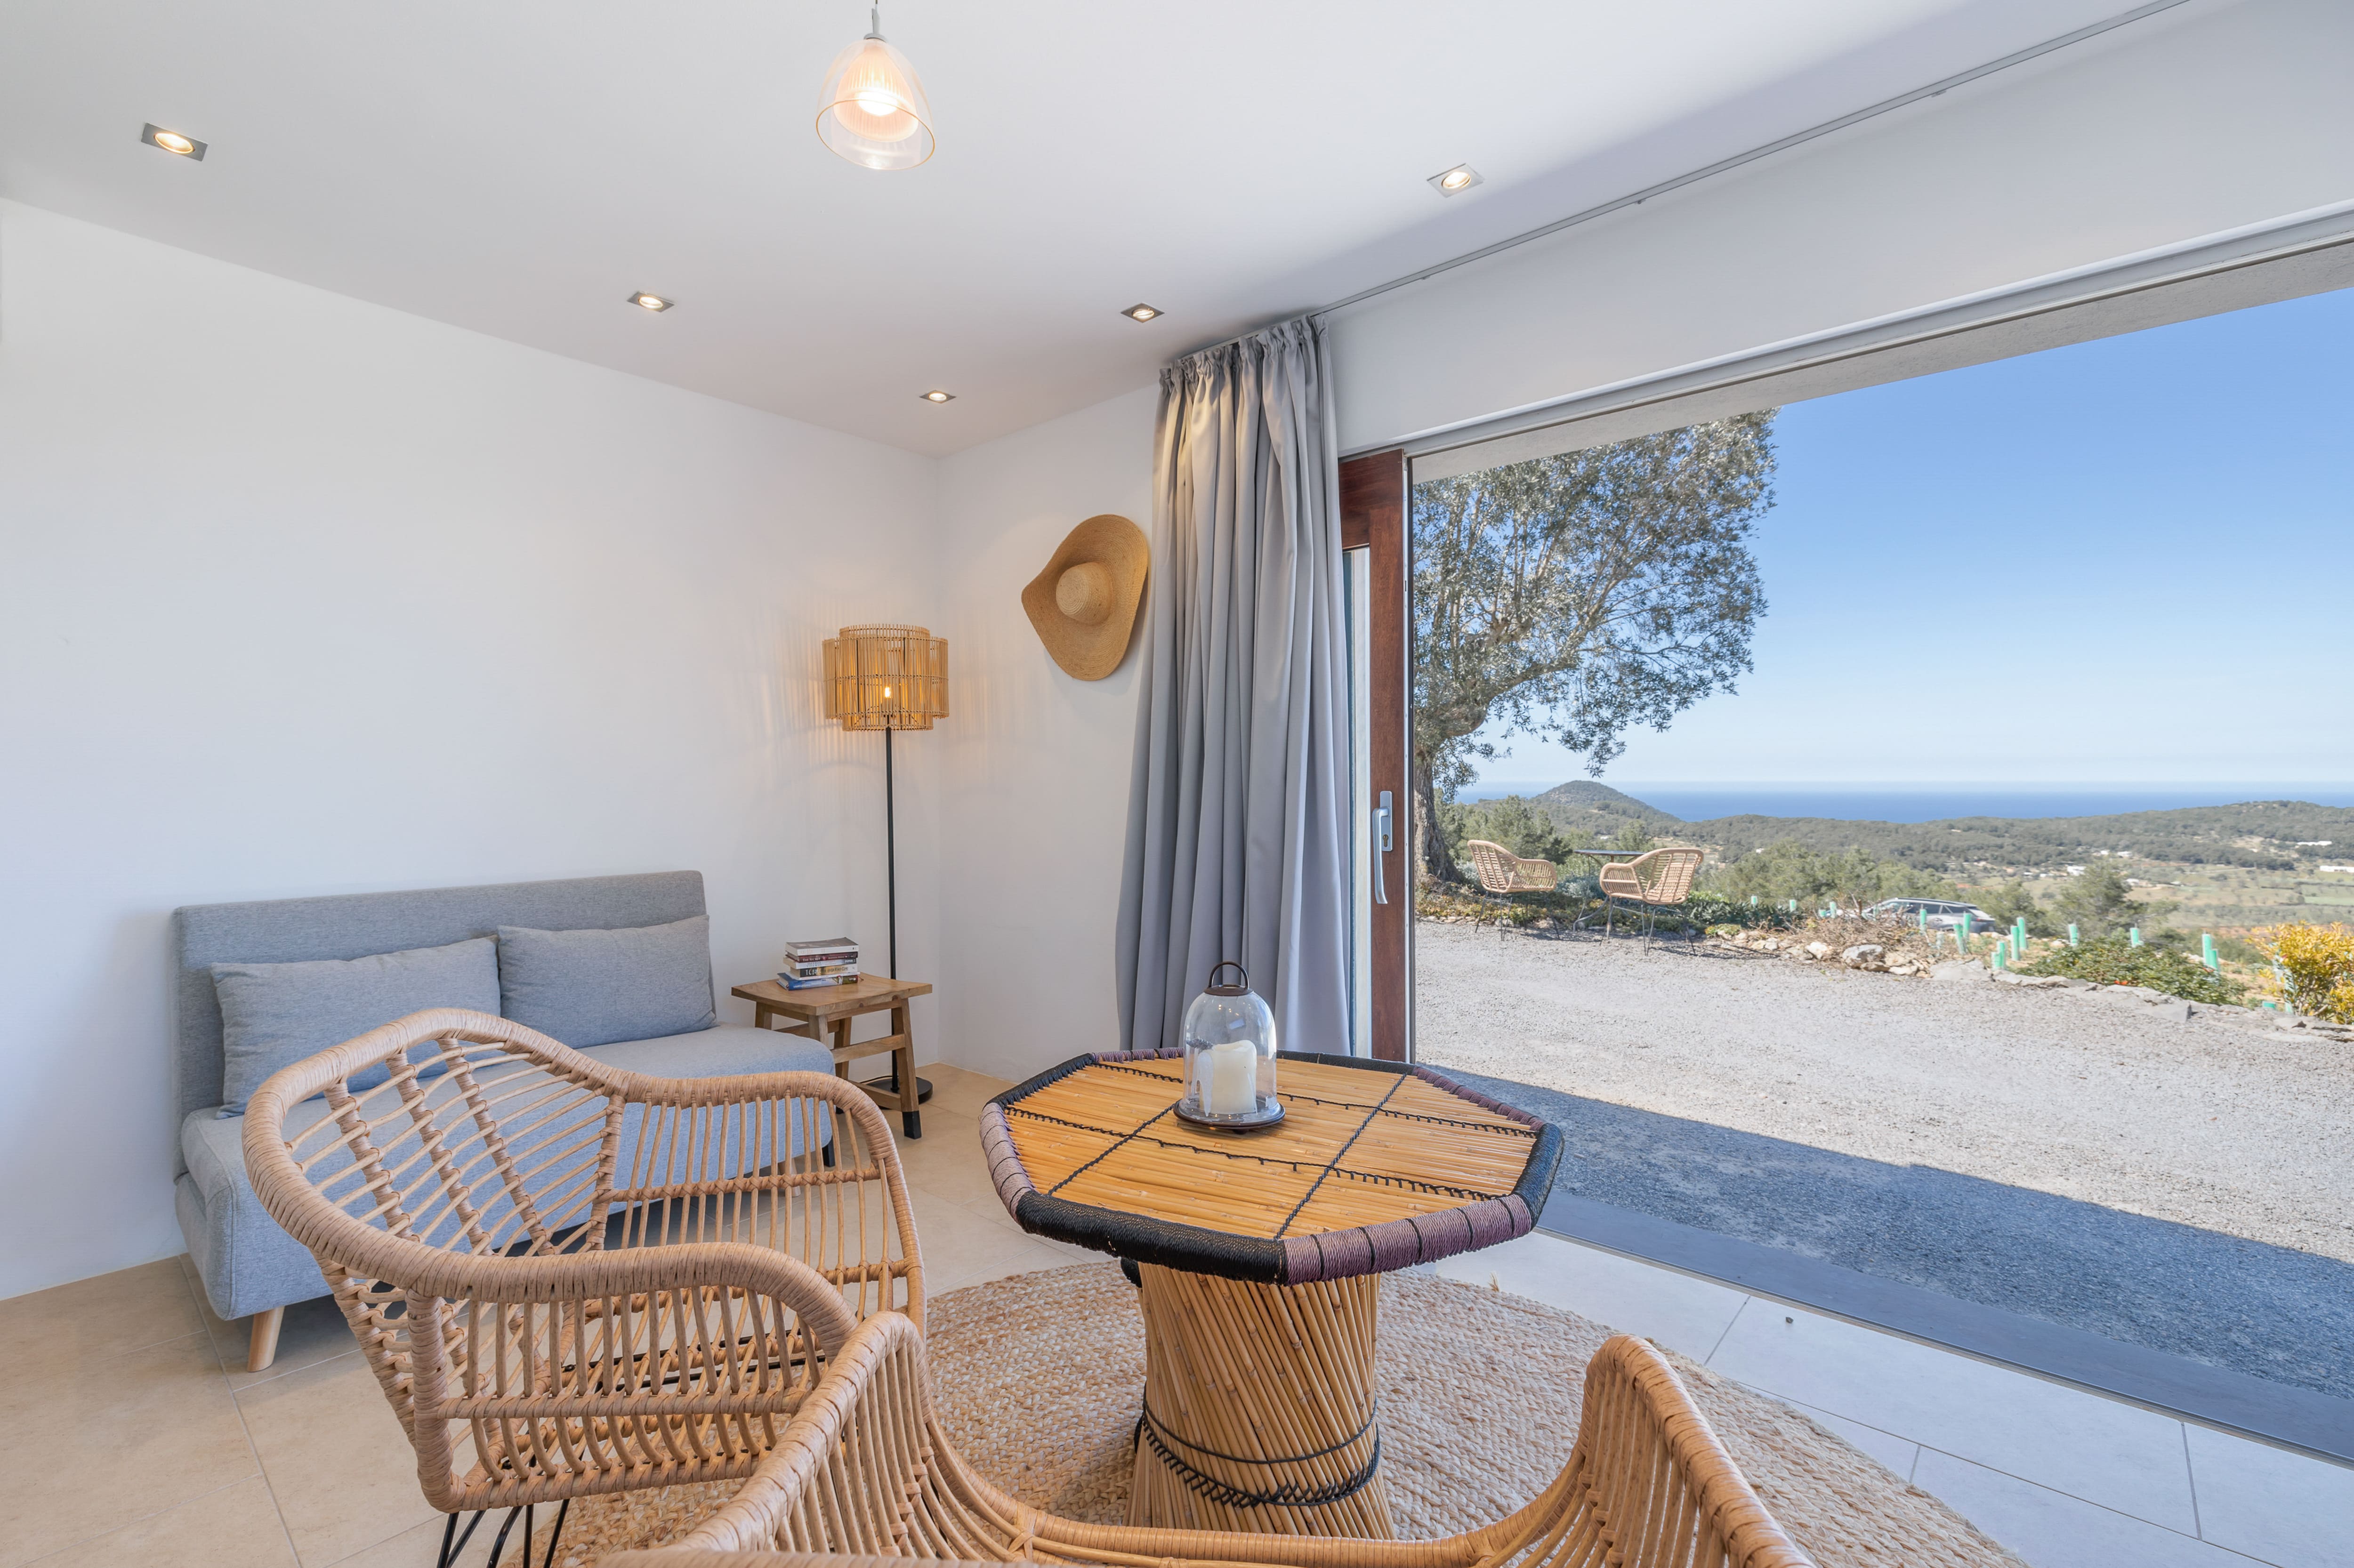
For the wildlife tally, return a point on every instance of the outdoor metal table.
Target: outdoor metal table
(1259, 1258)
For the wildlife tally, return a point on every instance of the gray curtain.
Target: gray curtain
(1239, 819)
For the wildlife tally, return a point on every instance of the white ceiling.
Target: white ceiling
(518, 167)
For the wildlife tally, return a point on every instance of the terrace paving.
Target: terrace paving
(2180, 1186)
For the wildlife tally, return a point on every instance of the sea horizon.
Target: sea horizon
(1909, 802)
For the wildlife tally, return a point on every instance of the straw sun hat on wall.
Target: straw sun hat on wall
(1083, 603)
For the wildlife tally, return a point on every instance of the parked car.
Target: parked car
(1944, 914)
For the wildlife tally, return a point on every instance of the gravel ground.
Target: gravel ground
(2188, 1185)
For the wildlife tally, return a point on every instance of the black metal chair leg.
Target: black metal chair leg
(454, 1544)
(554, 1536)
(499, 1542)
(451, 1550)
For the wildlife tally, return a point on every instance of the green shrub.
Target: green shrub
(1705, 909)
(1510, 822)
(2009, 901)
(2114, 962)
(1633, 838)
(1442, 901)
(1702, 910)
(1787, 869)
(1435, 901)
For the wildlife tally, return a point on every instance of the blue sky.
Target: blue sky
(2124, 560)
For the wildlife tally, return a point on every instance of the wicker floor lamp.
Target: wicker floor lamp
(888, 678)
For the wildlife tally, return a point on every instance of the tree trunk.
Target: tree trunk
(1429, 843)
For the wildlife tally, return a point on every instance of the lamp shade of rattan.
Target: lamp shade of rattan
(886, 677)
(1375, 1166)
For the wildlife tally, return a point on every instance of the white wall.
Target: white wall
(302, 595)
(1034, 794)
(2188, 123)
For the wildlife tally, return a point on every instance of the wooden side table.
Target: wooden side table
(824, 1012)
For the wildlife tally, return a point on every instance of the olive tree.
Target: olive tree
(1572, 597)
(2099, 902)
(2013, 901)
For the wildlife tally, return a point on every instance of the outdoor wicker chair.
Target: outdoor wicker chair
(1504, 874)
(572, 1279)
(1660, 879)
(865, 1473)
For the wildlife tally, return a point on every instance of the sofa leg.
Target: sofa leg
(263, 1349)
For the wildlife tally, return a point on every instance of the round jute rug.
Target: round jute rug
(1038, 1379)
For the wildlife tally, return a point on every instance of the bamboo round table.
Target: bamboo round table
(1259, 1258)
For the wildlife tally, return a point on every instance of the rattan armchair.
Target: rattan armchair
(572, 1279)
(1502, 872)
(865, 1472)
(1659, 879)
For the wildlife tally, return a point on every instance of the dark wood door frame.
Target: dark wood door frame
(1373, 515)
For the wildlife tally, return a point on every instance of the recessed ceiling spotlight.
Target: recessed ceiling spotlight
(937, 396)
(172, 142)
(1141, 313)
(646, 302)
(1454, 181)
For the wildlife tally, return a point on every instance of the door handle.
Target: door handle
(1381, 847)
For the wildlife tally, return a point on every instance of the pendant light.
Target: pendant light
(873, 111)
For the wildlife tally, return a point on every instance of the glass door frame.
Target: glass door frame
(1374, 518)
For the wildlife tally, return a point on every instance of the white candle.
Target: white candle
(1230, 1078)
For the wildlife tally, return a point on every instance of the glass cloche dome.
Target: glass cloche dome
(1229, 1038)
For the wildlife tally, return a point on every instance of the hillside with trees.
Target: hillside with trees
(1584, 806)
(2260, 835)
(2234, 872)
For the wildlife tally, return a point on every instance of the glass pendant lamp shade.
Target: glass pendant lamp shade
(1229, 1040)
(873, 111)
(886, 677)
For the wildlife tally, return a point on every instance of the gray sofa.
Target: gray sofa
(250, 1265)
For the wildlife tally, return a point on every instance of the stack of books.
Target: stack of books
(828, 960)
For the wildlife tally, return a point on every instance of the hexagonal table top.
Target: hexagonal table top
(1375, 1166)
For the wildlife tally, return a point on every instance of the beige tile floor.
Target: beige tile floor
(163, 1448)
(160, 1447)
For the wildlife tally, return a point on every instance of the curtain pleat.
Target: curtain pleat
(1237, 837)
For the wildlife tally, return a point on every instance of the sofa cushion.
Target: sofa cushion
(249, 1264)
(593, 988)
(273, 1015)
